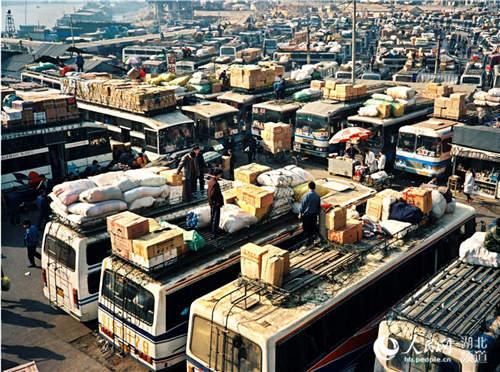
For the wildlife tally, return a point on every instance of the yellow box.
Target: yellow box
(171, 177)
(157, 243)
(251, 260)
(336, 218)
(249, 173)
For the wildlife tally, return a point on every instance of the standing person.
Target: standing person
(215, 200)
(31, 241)
(79, 62)
(187, 164)
(309, 212)
(381, 160)
(43, 208)
(232, 162)
(201, 167)
(469, 183)
(279, 87)
(251, 148)
(371, 162)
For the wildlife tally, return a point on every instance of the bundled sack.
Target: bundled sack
(97, 209)
(233, 218)
(194, 241)
(401, 211)
(382, 97)
(198, 218)
(58, 205)
(276, 178)
(69, 192)
(438, 204)
(395, 228)
(300, 190)
(144, 191)
(118, 179)
(98, 194)
(473, 252)
(495, 92)
(401, 92)
(451, 206)
(145, 177)
(368, 111)
(145, 202)
(280, 192)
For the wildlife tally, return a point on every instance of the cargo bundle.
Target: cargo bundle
(121, 94)
(435, 90)
(392, 104)
(452, 107)
(33, 108)
(277, 137)
(253, 77)
(343, 92)
(249, 55)
(267, 264)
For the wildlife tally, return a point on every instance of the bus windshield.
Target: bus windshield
(406, 142)
(312, 122)
(474, 80)
(403, 78)
(376, 139)
(128, 296)
(222, 126)
(176, 138)
(228, 351)
(58, 250)
(428, 146)
(265, 116)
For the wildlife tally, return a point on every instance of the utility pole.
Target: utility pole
(353, 47)
(438, 56)
(72, 35)
(308, 44)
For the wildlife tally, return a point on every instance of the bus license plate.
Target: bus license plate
(60, 292)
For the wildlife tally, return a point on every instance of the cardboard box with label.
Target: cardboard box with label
(249, 173)
(420, 198)
(251, 260)
(336, 218)
(351, 233)
(171, 177)
(127, 225)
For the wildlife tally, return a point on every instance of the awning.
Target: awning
(468, 152)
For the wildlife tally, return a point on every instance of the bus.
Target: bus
(273, 111)
(330, 294)
(451, 323)
(385, 131)
(407, 76)
(230, 50)
(144, 52)
(44, 79)
(53, 150)
(425, 148)
(147, 315)
(171, 133)
(72, 258)
(474, 77)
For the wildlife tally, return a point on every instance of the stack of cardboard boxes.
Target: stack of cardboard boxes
(252, 77)
(142, 242)
(36, 108)
(268, 264)
(249, 173)
(450, 108)
(249, 55)
(175, 181)
(376, 209)
(120, 93)
(254, 200)
(342, 230)
(317, 84)
(343, 92)
(435, 90)
(419, 197)
(277, 137)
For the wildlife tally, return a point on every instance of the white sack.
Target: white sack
(401, 92)
(142, 192)
(145, 202)
(98, 194)
(203, 215)
(145, 177)
(368, 111)
(97, 209)
(450, 207)
(280, 192)
(57, 204)
(495, 92)
(473, 252)
(118, 179)
(277, 178)
(382, 97)
(438, 204)
(233, 218)
(73, 186)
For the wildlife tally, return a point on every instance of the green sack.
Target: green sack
(194, 240)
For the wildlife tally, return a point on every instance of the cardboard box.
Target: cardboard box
(317, 84)
(283, 253)
(420, 198)
(127, 225)
(351, 233)
(249, 173)
(171, 177)
(230, 196)
(251, 260)
(120, 246)
(336, 218)
(330, 84)
(255, 196)
(259, 213)
(175, 195)
(159, 242)
(384, 110)
(374, 207)
(226, 163)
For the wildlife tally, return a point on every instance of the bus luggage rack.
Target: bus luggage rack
(456, 302)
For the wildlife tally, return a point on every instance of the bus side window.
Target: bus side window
(98, 251)
(446, 145)
(93, 281)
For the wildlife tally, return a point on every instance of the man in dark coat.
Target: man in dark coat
(188, 164)
(201, 167)
(215, 200)
(309, 212)
(31, 237)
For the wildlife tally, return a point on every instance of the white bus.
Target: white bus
(449, 324)
(319, 318)
(425, 148)
(72, 259)
(144, 52)
(147, 315)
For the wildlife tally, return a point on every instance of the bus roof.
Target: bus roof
(376, 121)
(236, 97)
(326, 108)
(433, 127)
(210, 109)
(280, 106)
(443, 302)
(265, 319)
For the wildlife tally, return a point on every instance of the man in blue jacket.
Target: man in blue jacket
(309, 212)
(31, 241)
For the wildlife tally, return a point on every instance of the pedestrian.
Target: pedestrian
(215, 200)
(309, 212)
(232, 162)
(42, 205)
(79, 62)
(279, 87)
(187, 164)
(381, 160)
(371, 162)
(469, 183)
(201, 167)
(251, 148)
(31, 241)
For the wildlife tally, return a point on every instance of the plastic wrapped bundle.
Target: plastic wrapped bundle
(233, 219)
(198, 218)
(98, 194)
(97, 209)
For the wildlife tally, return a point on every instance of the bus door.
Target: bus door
(57, 159)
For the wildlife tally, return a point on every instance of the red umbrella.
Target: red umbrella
(349, 134)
